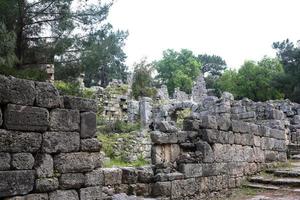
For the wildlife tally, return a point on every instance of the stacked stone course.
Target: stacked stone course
(48, 148)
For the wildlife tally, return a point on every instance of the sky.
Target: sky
(236, 30)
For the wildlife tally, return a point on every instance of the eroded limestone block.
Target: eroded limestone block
(5, 161)
(74, 162)
(17, 91)
(81, 104)
(64, 120)
(129, 175)
(46, 184)
(183, 188)
(167, 127)
(94, 178)
(161, 189)
(206, 150)
(64, 195)
(145, 174)
(112, 176)
(47, 95)
(44, 165)
(91, 193)
(15, 141)
(158, 137)
(71, 180)
(191, 170)
(90, 145)
(16, 182)
(22, 161)
(1, 119)
(87, 124)
(57, 142)
(26, 118)
(224, 122)
(167, 153)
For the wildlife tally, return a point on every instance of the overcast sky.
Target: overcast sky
(236, 30)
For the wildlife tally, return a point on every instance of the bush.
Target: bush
(29, 73)
(73, 89)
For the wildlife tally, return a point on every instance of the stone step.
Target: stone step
(284, 172)
(262, 186)
(289, 182)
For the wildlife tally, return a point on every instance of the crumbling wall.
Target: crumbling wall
(48, 148)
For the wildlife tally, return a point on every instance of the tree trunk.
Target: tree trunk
(19, 33)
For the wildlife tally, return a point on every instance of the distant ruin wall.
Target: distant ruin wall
(48, 148)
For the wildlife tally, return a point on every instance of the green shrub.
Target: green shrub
(117, 162)
(28, 73)
(73, 89)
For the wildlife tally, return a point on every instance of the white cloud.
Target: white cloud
(236, 30)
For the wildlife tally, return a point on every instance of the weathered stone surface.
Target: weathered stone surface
(145, 174)
(183, 188)
(97, 159)
(40, 196)
(209, 122)
(17, 91)
(224, 122)
(26, 118)
(129, 175)
(167, 127)
(210, 135)
(57, 142)
(71, 180)
(22, 161)
(16, 182)
(158, 137)
(5, 161)
(44, 165)
(94, 178)
(206, 150)
(87, 124)
(191, 170)
(47, 95)
(73, 162)
(81, 104)
(46, 184)
(15, 142)
(64, 120)
(161, 189)
(91, 193)
(1, 120)
(64, 195)
(165, 153)
(90, 145)
(112, 176)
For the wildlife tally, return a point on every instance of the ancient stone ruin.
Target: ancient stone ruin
(48, 148)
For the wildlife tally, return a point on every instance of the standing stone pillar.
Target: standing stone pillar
(146, 111)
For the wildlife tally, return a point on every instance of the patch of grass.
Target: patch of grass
(243, 193)
(287, 164)
(117, 126)
(117, 162)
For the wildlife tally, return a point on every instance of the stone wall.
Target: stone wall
(48, 148)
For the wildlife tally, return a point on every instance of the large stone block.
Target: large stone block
(26, 118)
(112, 176)
(64, 195)
(183, 188)
(71, 180)
(44, 165)
(161, 189)
(158, 137)
(17, 91)
(129, 175)
(40, 196)
(46, 184)
(1, 119)
(167, 127)
(64, 120)
(5, 161)
(90, 145)
(47, 95)
(145, 174)
(208, 121)
(94, 178)
(91, 193)
(224, 122)
(206, 150)
(14, 141)
(81, 104)
(240, 126)
(57, 142)
(87, 124)
(191, 170)
(74, 162)
(16, 182)
(165, 153)
(22, 161)
(210, 135)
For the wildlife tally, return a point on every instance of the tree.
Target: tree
(253, 80)
(288, 82)
(66, 33)
(7, 47)
(142, 85)
(213, 65)
(178, 69)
